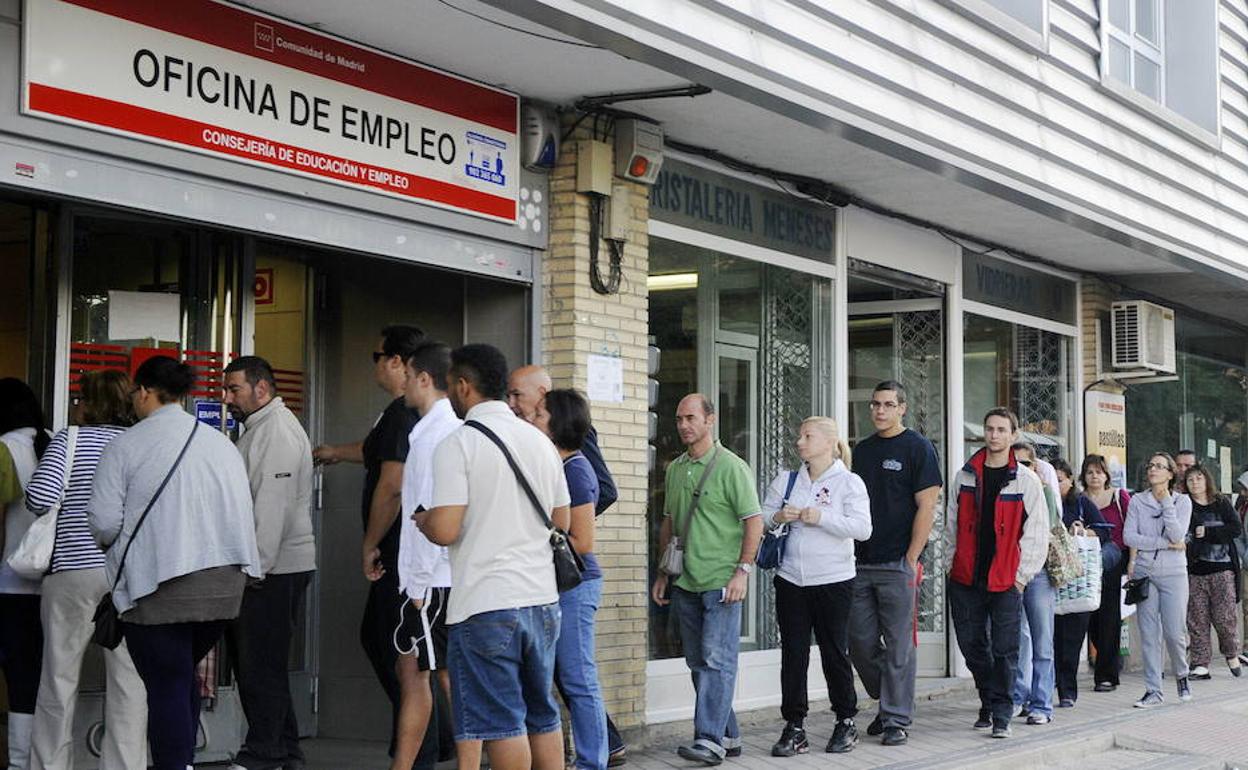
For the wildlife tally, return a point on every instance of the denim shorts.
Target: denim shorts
(502, 666)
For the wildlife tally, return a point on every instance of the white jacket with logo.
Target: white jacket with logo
(278, 456)
(818, 554)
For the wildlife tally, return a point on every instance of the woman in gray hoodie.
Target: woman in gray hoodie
(1155, 530)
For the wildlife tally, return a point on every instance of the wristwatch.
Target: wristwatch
(746, 567)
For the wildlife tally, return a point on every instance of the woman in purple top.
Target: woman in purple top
(564, 416)
(1104, 627)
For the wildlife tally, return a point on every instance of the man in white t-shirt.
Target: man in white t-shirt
(504, 612)
(420, 636)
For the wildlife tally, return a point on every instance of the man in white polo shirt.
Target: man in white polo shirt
(504, 611)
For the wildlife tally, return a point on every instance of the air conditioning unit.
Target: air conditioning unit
(1143, 336)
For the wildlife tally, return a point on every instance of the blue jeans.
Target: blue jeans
(1033, 682)
(502, 666)
(710, 632)
(576, 674)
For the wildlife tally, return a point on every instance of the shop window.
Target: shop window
(16, 248)
(1026, 369)
(1204, 409)
(1165, 51)
(755, 338)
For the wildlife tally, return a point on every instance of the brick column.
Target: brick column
(577, 322)
(1095, 299)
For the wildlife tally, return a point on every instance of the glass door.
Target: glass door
(896, 332)
(737, 423)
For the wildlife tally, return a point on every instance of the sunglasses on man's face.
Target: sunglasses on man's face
(378, 355)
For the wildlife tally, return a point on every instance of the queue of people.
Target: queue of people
(185, 537)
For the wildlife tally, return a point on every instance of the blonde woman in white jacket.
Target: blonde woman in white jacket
(826, 509)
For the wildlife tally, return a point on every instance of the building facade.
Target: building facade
(952, 193)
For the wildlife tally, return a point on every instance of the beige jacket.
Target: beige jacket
(278, 456)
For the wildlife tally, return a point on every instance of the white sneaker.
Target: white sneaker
(1150, 699)
(1201, 672)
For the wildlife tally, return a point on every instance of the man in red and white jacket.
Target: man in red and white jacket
(998, 534)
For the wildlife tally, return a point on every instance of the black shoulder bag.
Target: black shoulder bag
(568, 564)
(107, 631)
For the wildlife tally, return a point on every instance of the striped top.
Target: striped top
(75, 547)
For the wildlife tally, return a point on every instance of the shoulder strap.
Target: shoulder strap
(788, 490)
(528, 490)
(143, 517)
(71, 441)
(697, 493)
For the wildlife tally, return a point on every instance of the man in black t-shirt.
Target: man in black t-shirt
(383, 453)
(902, 475)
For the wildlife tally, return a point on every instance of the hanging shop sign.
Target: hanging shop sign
(1105, 421)
(1014, 287)
(719, 204)
(225, 81)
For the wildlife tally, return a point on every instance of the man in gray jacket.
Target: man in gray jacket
(278, 456)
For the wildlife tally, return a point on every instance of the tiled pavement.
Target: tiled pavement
(1102, 732)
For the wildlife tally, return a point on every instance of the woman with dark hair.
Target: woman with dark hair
(186, 559)
(23, 439)
(1212, 572)
(563, 415)
(76, 583)
(1156, 531)
(1069, 630)
(1105, 624)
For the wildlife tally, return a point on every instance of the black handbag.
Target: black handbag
(107, 631)
(1137, 591)
(568, 563)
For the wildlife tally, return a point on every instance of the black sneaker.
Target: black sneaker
(792, 742)
(984, 721)
(735, 751)
(1185, 690)
(1001, 730)
(699, 753)
(844, 737)
(894, 736)
(876, 728)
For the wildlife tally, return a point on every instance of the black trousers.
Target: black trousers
(166, 656)
(823, 609)
(381, 617)
(261, 641)
(1104, 627)
(1069, 632)
(987, 626)
(21, 649)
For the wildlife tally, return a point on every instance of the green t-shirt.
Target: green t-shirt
(728, 497)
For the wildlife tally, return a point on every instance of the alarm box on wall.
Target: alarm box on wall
(1143, 336)
(638, 150)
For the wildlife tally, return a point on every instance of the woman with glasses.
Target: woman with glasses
(826, 508)
(1104, 627)
(1213, 569)
(1156, 531)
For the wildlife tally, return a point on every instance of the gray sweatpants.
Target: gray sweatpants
(881, 638)
(1162, 617)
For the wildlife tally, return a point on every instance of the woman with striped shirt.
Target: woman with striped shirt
(75, 585)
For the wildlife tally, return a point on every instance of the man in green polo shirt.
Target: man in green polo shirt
(719, 551)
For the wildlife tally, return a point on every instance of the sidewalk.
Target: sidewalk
(1103, 732)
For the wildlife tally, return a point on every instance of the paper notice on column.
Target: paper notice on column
(606, 379)
(1228, 470)
(141, 315)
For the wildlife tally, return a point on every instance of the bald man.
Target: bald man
(526, 387)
